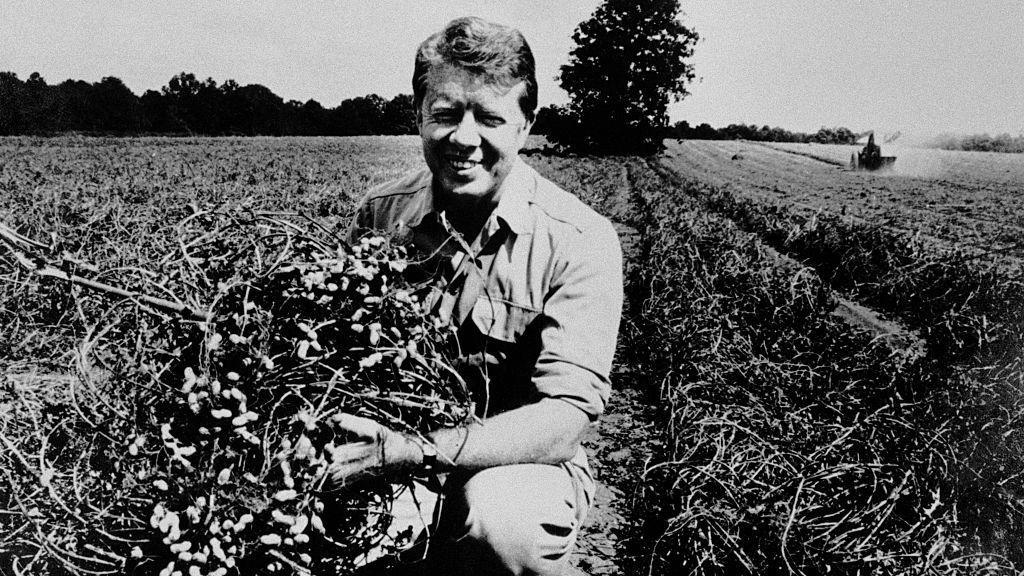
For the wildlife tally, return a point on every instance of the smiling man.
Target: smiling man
(532, 279)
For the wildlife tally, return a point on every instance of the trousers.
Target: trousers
(521, 519)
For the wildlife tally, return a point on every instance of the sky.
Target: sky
(918, 66)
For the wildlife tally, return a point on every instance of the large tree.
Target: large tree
(632, 57)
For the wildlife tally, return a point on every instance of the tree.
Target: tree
(76, 109)
(181, 92)
(117, 109)
(553, 121)
(359, 116)
(12, 96)
(155, 112)
(399, 115)
(257, 108)
(631, 58)
(41, 106)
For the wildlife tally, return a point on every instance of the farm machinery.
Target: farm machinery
(870, 158)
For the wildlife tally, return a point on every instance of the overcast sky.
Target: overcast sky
(920, 66)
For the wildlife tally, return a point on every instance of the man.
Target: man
(532, 279)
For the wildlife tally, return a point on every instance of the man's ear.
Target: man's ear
(525, 130)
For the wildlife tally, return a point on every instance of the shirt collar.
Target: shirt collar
(422, 202)
(513, 207)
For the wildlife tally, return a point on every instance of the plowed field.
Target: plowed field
(753, 430)
(969, 200)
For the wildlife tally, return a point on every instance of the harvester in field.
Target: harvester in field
(870, 158)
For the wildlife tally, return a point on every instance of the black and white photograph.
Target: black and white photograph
(580, 288)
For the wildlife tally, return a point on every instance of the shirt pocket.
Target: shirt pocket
(502, 320)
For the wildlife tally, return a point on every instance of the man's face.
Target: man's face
(472, 132)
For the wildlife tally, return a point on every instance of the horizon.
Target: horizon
(917, 68)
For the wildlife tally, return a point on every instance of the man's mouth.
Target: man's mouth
(461, 164)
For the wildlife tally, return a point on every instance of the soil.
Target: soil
(619, 448)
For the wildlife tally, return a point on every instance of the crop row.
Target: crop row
(957, 300)
(967, 310)
(794, 442)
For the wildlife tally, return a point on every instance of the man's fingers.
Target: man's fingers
(352, 464)
(355, 460)
(362, 427)
(354, 452)
(339, 472)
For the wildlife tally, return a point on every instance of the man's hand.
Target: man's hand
(380, 451)
(548, 431)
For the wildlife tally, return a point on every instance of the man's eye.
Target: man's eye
(492, 121)
(445, 117)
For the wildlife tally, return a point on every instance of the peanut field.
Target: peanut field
(768, 430)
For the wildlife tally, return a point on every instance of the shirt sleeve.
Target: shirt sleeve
(361, 221)
(581, 321)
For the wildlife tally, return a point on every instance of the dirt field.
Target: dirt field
(962, 199)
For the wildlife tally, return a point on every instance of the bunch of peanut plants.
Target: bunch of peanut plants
(204, 443)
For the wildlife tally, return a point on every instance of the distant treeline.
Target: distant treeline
(188, 106)
(683, 130)
(979, 143)
(557, 120)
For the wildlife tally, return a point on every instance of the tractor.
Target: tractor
(870, 158)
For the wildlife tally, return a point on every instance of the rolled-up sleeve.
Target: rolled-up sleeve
(580, 320)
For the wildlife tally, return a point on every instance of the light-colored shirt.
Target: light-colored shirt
(537, 302)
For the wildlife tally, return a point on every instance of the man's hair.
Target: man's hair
(497, 53)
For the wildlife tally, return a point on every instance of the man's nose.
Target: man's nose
(467, 133)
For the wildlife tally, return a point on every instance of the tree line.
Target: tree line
(557, 120)
(824, 135)
(979, 143)
(187, 105)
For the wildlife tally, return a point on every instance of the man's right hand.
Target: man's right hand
(378, 452)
